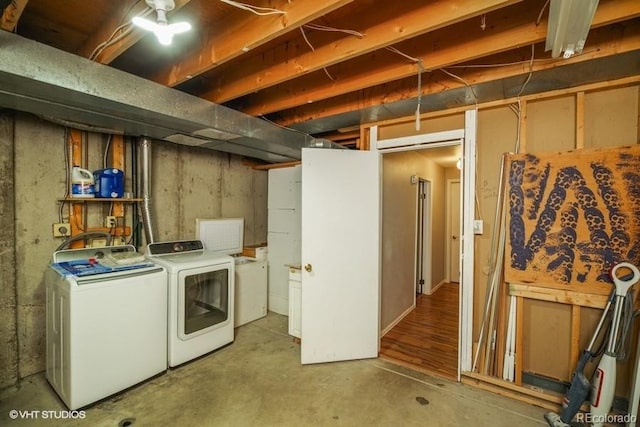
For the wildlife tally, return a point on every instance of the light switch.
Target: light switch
(478, 226)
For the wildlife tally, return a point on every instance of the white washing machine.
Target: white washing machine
(106, 323)
(201, 298)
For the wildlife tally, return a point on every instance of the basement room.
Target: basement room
(319, 213)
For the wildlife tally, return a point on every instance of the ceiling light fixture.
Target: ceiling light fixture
(162, 29)
(569, 23)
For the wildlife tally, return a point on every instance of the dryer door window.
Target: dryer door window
(205, 301)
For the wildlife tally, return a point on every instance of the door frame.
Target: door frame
(425, 231)
(467, 137)
(448, 226)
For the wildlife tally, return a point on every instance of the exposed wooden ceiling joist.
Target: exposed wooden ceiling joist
(457, 44)
(407, 19)
(117, 34)
(603, 42)
(226, 44)
(11, 15)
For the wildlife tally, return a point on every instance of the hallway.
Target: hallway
(427, 338)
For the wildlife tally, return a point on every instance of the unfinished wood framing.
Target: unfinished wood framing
(11, 15)
(76, 210)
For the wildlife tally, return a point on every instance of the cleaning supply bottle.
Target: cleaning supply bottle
(82, 184)
(109, 183)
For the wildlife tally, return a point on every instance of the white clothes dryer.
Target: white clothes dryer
(106, 323)
(201, 298)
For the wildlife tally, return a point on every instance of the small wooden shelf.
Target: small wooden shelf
(98, 199)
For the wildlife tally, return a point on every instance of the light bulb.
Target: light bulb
(164, 32)
(164, 35)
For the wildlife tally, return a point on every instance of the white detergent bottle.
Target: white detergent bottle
(82, 183)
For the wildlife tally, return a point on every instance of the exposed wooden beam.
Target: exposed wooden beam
(408, 18)
(124, 37)
(234, 40)
(11, 14)
(508, 29)
(603, 42)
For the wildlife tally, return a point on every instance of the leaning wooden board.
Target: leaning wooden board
(572, 216)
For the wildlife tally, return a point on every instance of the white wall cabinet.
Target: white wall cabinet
(283, 232)
(295, 302)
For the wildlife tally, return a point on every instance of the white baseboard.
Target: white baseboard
(435, 288)
(398, 319)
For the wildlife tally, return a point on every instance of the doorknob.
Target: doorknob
(308, 268)
(454, 237)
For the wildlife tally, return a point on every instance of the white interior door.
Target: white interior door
(454, 231)
(340, 255)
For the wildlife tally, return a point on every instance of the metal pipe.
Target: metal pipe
(145, 152)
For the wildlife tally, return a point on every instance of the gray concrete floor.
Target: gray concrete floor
(258, 381)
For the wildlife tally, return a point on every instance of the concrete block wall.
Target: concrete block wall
(187, 183)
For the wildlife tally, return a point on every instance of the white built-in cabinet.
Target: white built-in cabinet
(283, 232)
(295, 302)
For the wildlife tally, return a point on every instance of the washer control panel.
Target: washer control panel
(176, 247)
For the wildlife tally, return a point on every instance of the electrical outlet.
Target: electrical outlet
(110, 222)
(61, 229)
(98, 242)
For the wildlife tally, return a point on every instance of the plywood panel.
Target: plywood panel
(611, 117)
(546, 346)
(573, 216)
(551, 124)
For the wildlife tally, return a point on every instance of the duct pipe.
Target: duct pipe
(145, 152)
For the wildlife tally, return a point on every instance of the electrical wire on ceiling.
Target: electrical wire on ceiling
(325, 28)
(473, 92)
(421, 70)
(332, 29)
(304, 36)
(542, 12)
(119, 33)
(260, 11)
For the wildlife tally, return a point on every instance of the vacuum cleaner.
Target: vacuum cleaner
(600, 391)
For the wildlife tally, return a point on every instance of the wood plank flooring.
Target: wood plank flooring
(427, 338)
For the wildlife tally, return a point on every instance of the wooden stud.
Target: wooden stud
(558, 295)
(117, 161)
(579, 120)
(76, 210)
(509, 389)
(523, 126)
(574, 352)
